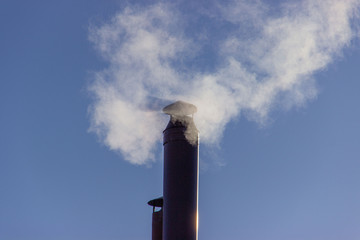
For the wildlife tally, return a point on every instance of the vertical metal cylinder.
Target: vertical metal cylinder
(157, 225)
(180, 210)
(157, 218)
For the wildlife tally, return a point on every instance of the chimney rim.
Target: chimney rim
(180, 108)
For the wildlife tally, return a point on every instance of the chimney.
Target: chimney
(157, 218)
(179, 205)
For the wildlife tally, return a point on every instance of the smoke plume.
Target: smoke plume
(239, 58)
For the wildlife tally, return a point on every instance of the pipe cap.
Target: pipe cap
(157, 202)
(180, 108)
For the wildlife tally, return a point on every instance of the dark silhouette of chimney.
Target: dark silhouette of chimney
(179, 205)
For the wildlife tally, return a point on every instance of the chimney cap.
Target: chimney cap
(180, 108)
(157, 202)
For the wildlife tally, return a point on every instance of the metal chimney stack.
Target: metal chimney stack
(181, 174)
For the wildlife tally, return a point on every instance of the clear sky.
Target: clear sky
(277, 88)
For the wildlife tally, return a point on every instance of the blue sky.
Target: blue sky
(277, 90)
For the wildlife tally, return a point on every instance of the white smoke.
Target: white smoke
(261, 60)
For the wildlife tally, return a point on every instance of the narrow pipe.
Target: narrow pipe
(157, 218)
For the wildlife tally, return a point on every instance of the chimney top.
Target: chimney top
(157, 202)
(180, 108)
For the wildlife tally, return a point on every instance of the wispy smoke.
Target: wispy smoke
(259, 58)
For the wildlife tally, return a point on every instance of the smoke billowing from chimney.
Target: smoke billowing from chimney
(247, 61)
